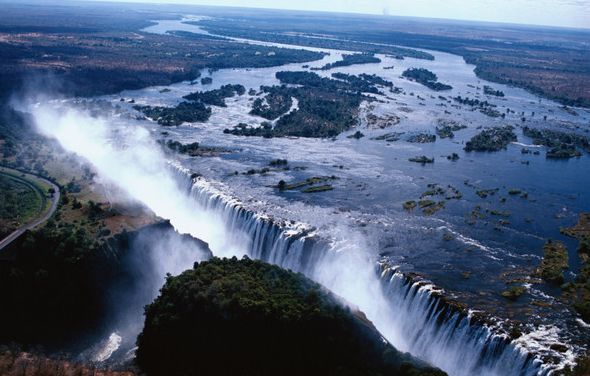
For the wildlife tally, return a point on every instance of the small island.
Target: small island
(492, 139)
(426, 78)
(352, 59)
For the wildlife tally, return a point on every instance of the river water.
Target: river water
(471, 262)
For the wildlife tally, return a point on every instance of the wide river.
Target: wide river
(471, 260)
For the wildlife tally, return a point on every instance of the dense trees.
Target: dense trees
(426, 78)
(491, 91)
(185, 112)
(217, 97)
(491, 139)
(268, 321)
(347, 60)
(276, 103)
(47, 293)
(326, 107)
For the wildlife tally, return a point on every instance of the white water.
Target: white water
(405, 313)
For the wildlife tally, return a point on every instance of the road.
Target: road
(38, 221)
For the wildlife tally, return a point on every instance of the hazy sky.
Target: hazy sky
(573, 13)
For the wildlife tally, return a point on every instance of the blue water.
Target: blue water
(376, 178)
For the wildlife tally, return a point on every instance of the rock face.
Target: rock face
(250, 318)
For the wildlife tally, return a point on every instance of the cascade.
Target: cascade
(410, 314)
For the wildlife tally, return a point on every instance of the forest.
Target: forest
(200, 316)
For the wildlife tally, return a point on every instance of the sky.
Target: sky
(568, 13)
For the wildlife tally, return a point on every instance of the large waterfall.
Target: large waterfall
(408, 313)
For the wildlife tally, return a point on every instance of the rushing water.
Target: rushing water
(357, 241)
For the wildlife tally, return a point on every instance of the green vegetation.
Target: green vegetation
(484, 193)
(474, 216)
(421, 138)
(278, 163)
(310, 183)
(260, 317)
(242, 27)
(20, 201)
(326, 108)
(363, 79)
(433, 208)
(47, 292)
(555, 261)
(276, 103)
(563, 152)
(580, 231)
(190, 149)
(185, 112)
(193, 149)
(343, 84)
(353, 59)
(484, 107)
(56, 282)
(409, 205)
(389, 137)
(446, 128)
(425, 203)
(578, 292)
(421, 159)
(429, 206)
(487, 90)
(514, 292)
(357, 135)
(426, 78)
(206, 81)
(100, 53)
(492, 139)
(556, 69)
(216, 97)
(318, 188)
(561, 144)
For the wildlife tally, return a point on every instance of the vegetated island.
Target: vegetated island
(426, 78)
(492, 139)
(561, 145)
(353, 59)
(577, 292)
(194, 109)
(267, 320)
(326, 107)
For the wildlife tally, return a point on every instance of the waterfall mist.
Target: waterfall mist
(126, 156)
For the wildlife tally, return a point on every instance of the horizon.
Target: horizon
(572, 14)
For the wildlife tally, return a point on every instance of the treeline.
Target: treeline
(492, 139)
(275, 103)
(184, 112)
(57, 283)
(269, 321)
(426, 78)
(353, 59)
(326, 108)
(217, 97)
(491, 91)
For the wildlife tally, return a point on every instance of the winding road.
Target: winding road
(45, 215)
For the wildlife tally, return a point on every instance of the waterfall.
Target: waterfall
(409, 314)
